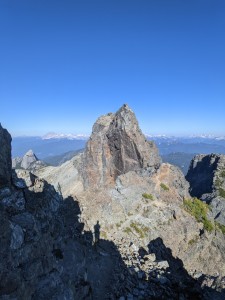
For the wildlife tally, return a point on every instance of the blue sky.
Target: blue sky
(64, 63)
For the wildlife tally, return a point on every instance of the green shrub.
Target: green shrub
(218, 182)
(208, 225)
(164, 187)
(199, 210)
(104, 235)
(193, 241)
(220, 227)
(222, 174)
(147, 196)
(222, 192)
(127, 230)
(138, 229)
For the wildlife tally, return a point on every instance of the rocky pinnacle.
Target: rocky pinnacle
(116, 146)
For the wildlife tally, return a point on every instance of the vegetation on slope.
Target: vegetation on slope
(199, 210)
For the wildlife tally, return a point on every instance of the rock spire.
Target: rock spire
(116, 146)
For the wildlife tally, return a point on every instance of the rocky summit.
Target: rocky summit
(114, 222)
(116, 147)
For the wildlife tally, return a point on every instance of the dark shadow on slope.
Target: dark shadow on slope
(181, 282)
(57, 259)
(182, 285)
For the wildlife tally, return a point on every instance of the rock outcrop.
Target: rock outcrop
(116, 147)
(206, 174)
(5, 157)
(28, 162)
(28, 159)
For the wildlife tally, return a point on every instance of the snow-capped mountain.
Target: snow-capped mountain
(69, 136)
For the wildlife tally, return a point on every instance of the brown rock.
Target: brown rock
(116, 147)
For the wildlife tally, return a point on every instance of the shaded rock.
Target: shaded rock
(22, 179)
(206, 174)
(17, 236)
(5, 157)
(116, 147)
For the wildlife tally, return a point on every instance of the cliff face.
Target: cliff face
(116, 147)
(5, 157)
(205, 174)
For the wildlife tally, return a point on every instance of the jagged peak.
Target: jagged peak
(31, 153)
(115, 147)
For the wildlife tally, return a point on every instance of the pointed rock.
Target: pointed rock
(28, 159)
(5, 157)
(116, 147)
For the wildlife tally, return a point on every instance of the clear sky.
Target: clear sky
(64, 63)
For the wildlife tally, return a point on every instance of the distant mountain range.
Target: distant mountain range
(44, 148)
(195, 144)
(55, 148)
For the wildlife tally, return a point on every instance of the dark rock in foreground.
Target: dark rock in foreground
(5, 157)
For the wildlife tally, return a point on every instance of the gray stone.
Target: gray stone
(163, 264)
(16, 162)
(163, 280)
(17, 237)
(23, 179)
(151, 257)
(5, 192)
(28, 159)
(25, 220)
(15, 202)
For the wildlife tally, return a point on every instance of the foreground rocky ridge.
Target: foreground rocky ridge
(150, 247)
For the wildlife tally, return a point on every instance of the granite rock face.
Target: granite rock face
(116, 147)
(5, 157)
